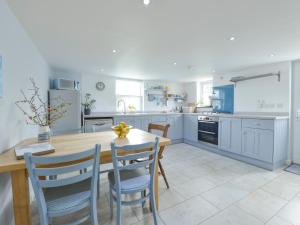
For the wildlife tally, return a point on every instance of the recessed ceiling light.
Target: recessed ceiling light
(114, 51)
(175, 63)
(146, 2)
(272, 55)
(232, 38)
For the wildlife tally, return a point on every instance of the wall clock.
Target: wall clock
(100, 86)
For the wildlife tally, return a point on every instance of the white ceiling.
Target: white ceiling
(79, 35)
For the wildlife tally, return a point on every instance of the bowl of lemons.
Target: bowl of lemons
(121, 130)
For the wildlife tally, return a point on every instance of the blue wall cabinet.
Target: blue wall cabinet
(190, 124)
(230, 138)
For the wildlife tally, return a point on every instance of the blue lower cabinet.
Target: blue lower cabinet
(176, 127)
(190, 127)
(258, 144)
(230, 138)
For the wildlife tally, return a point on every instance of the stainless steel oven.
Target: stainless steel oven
(208, 128)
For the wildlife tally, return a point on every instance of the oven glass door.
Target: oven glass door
(208, 132)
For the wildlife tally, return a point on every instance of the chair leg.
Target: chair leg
(98, 187)
(94, 217)
(111, 202)
(163, 173)
(118, 218)
(143, 195)
(153, 207)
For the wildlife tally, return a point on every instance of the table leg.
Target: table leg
(21, 198)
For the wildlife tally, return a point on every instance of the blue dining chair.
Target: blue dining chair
(69, 191)
(133, 178)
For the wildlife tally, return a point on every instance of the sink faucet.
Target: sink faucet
(124, 105)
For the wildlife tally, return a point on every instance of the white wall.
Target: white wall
(275, 95)
(106, 99)
(21, 60)
(174, 88)
(295, 122)
(191, 89)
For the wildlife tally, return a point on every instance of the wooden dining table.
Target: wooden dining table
(65, 144)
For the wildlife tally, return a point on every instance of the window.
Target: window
(131, 92)
(204, 93)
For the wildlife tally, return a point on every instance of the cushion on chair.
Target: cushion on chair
(131, 179)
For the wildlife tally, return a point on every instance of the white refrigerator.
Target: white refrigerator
(71, 122)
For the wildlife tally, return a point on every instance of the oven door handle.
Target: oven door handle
(207, 132)
(200, 121)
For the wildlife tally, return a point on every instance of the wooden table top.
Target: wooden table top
(67, 144)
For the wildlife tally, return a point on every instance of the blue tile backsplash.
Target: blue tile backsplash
(223, 99)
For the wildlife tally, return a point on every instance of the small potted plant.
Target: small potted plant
(88, 104)
(38, 112)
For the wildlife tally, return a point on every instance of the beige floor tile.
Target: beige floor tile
(283, 189)
(277, 221)
(291, 212)
(232, 216)
(149, 221)
(194, 187)
(254, 181)
(224, 195)
(221, 163)
(222, 176)
(262, 205)
(190, 212)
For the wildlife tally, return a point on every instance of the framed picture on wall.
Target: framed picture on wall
(1, 77)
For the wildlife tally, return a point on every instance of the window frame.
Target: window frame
(122, 96)
(200, 92)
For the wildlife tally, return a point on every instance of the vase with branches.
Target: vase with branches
(38, 112)
(88, 104)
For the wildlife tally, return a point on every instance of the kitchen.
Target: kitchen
(205, 94)
(247, 126)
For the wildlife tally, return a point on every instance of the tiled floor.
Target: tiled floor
(209, 189)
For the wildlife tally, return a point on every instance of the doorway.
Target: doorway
(295, 116)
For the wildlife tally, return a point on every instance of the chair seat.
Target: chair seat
(131, 180)
(68, 198)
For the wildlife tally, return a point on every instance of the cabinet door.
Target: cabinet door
(225, 134)
(118, 119)
(265, 144)
(179, 127)
(172, 130)
(190, 127)
(159, 119)
(248, 142)
(236, 136)
(129, 120)
(144, 122)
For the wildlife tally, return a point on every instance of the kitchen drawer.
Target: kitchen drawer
(259, 124)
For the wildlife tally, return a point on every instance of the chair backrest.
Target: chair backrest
(133, 152)
(65, 169)
(162, 128)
